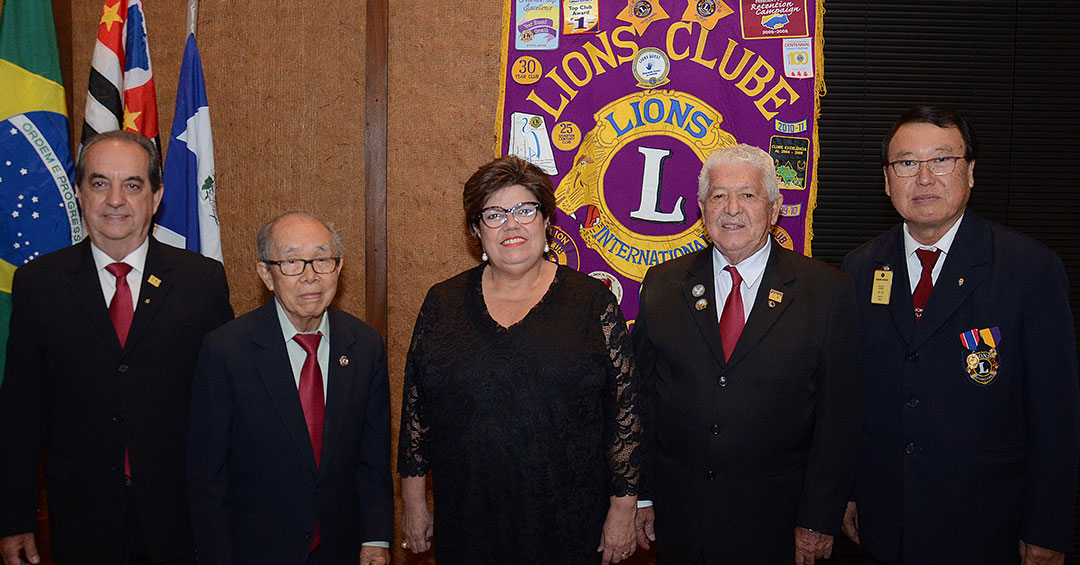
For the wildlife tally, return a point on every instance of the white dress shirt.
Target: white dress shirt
(914, 266)
(750, 269)
(137, 260)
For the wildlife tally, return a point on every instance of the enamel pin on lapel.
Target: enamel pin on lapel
(882, 286)
(775, 297)
(154, 281)
(343, 361)
(960, 282)
(698, 291)
(701, 304)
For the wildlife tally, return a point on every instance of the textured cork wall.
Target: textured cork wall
(285, 81)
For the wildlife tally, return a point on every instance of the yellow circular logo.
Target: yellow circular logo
(566, 136)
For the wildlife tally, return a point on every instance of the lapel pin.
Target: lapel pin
(154, 281)
(343, 361)
(698, 291)
(775, 296)
(960, 282)
(772, 304)
(701, 304)
(147, 301)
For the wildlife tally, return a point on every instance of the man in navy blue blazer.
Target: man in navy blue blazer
(969, 449)
(289, 444)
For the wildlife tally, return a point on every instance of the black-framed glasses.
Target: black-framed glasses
(293, 267)
(911, 167)
(523, 212)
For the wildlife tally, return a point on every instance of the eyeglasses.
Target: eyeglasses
(523, 212)
(911, 167)
(293, 267)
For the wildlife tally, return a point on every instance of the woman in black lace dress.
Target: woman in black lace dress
(521, 398)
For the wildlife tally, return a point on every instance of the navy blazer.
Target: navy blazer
(72, 391)
(960, 469)
(256, 492)
(745, 450)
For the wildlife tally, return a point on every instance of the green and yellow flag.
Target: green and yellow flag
(38, 211)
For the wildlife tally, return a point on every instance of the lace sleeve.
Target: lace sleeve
(622, 410)
(412, 461)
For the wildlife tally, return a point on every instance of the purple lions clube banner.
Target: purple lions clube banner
(621, 101)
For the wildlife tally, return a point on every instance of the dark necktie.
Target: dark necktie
(921, 295)
(732, 318)
(311, 399)
(121, 308)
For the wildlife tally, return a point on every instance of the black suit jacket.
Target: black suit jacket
(72, 391)
(964, 470)
(746, 450)
(256, 493)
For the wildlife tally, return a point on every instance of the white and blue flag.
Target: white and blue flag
(188, 216)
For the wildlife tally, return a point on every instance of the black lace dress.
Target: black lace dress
(526, 430)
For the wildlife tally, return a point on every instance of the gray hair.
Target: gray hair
(736, 155)
(264, 245)
(153, 173)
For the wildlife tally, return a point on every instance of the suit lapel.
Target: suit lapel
(86, 288)
(157, 281)
(339, 382)
(901, 307)
(779, 275)
(700, 272)
(272, 364)
(967, 261)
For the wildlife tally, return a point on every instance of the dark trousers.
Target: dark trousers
(134, 546)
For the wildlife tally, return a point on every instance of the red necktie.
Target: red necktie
(921, 295)
(311, 398)
(732, 318)
(121, 310)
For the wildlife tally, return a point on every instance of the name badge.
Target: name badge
(882, 287)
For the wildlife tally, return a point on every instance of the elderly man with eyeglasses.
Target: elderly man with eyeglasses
(969, 449)
(289, 447)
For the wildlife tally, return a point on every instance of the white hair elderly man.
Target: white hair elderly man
(750, 352)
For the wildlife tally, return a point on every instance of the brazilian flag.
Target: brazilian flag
(38, 212)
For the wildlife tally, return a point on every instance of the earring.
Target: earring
(547, 248)
(483, 256)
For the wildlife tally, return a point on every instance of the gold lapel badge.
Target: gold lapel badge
(343, 361)
(960, 282)
(775, 296)
(154, 281)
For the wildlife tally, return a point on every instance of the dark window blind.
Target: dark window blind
(1012, 68)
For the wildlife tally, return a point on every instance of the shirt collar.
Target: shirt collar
(944, 244)
(137, 258)
(288, 330)
(750, 269)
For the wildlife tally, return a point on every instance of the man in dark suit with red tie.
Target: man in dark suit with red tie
(102, 349)
(969, 450)
(751, 357)
(289, 451)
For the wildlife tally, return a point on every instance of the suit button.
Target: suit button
(307, 535)
(710, 475)
(913, 357)
(118, 418)
(715, 429)
(913, 402)
(910, 448)
(122, 368)
(723, 381)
